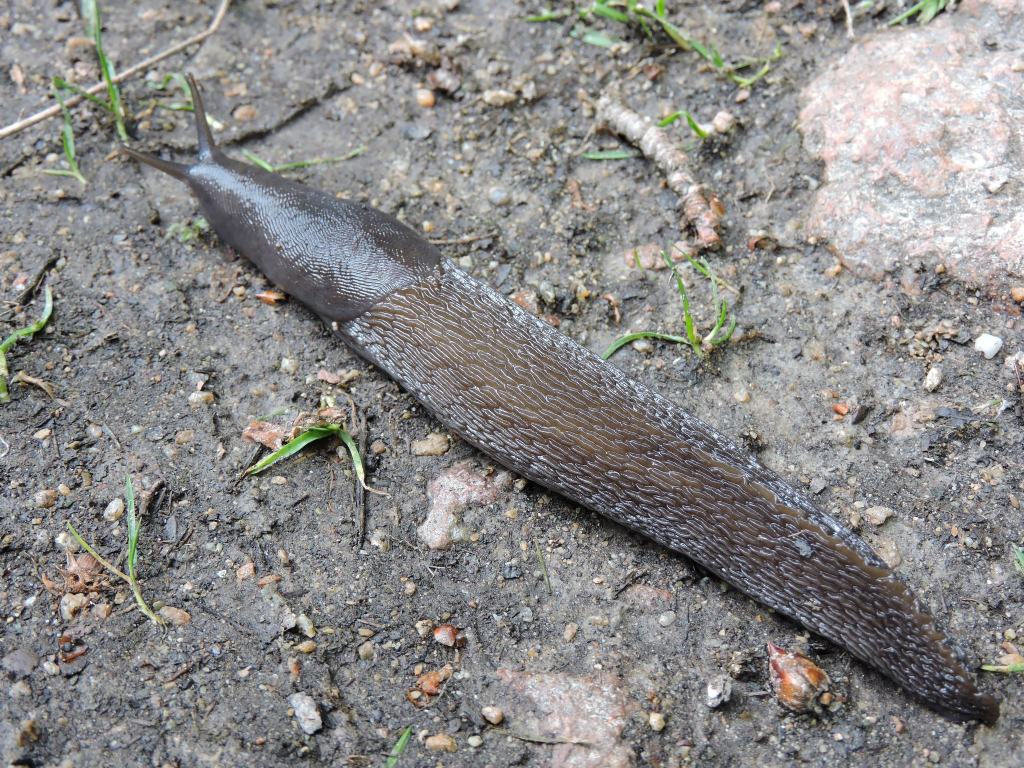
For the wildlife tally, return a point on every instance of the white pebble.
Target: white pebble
(656, 721)
(719, 691)
(289, 365)
(306, 712)
(114, 511)
(988, 345)
(933, 378)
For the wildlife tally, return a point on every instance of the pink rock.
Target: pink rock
(450, 493)
(585, 715)
(920, 132)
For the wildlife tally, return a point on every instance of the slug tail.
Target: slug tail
(177, 170)
(205, 137)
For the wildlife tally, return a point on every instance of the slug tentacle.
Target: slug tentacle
(543, 406)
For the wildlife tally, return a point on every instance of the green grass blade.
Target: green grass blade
(357, 461)
(667, 121)
(21, 333)
(600, 39)
(67, 140)
(607, 12)
(133, 527)
(399, 748)
(94, 28)
(701, 133)
(1018, 558)
(255, 159)
(1004, 668)
(99, 558)
(292, 447)
(622, 341)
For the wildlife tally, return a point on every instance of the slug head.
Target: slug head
(336, 256)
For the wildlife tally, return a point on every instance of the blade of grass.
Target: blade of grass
(700, 132)
(1018, 558)
(600, 39)
(21, 333)
(67, 140)
(357, 462)
(1004, 668)
(259, 161)
(94, 28)
(622, 341)
(398, 748)
(134, 531)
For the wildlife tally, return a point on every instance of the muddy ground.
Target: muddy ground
(145, 318)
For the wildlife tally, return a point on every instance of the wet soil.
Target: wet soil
(144, 318)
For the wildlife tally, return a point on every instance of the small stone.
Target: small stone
(440, 742)
(498, 196)
(245, 571)
(202, 397)
(289, 365)
(569, 634)
(498, 98)
(890, 553)
(988, 345)
(933, 378)
(719, 691)
(306, 646)
(185, 436)
(114, 511)
(474, 741)
(410, 588)
(447, 635)
(657, 721)
(244, 113)
(175, 616)
(424, 627)
(71, 605)
(1017, 293)
(366, 650)
(643, 346)
(511, 571)
(742, 396)
(306, 712)
(667, 618)
(102, 611)
(742, 95)
(425, 98)
(65, 541)
(878, 515)
(42, 434)
(492, 715)
(434, 444)
(46, 498)
(50, 668)
(305, 625)
(723, 122)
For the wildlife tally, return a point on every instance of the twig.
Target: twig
(143, 65)
(701, 208)
(849, 19)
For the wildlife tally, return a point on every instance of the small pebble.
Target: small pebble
(423, 627)
(569, 634)
(440, 742)
(446, 635)
(988, 345)
(175, 616)
(305, 625)
(46, 498)
(434, 444)
(202, 397)
(498, 98)
(1017, 293)
(667, 618)
(493, 715)
(643, 346)
(498, 196)
(71, 605)
(474, 741)
(742, 396)
(365, 650)
(244, 113)
(656, 721)
(410, 588)
(719, 691)
(114, 511)
(306, 712)
(289, 365)
(933, 378)
(306, 646)
(878, 515)
(425, 98)
(723, 122)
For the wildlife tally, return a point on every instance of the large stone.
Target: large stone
(920, 130)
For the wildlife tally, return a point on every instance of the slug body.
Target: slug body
(546, 408)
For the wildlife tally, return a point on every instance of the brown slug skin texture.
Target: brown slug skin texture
(543, 406)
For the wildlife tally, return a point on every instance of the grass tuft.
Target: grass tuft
(312, 435)
(134, 532)
(702, 346)
(26, 332)
(398, 748)
(94, 28)
(255, 159)
(925, 10)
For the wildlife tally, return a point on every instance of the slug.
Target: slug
(546, 408)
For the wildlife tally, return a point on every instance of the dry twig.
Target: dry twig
(701, 208)
(143, 65)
